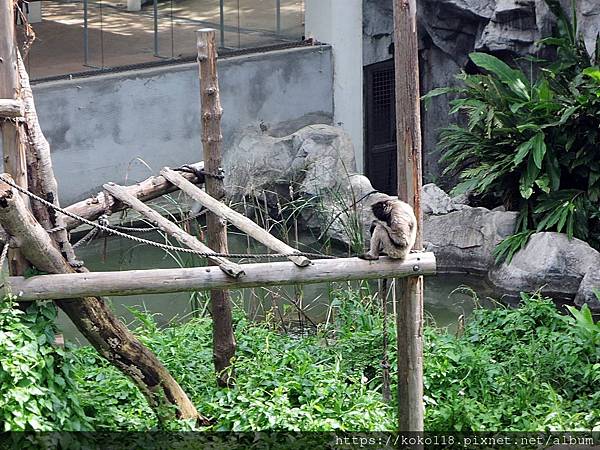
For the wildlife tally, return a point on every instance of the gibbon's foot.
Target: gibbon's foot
(416, 251)
(368, 257)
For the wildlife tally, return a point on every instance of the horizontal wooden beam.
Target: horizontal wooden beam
(239, 221)
(104, 203)
(158, 281)
(10, 108)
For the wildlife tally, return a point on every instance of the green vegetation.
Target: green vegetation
(530, 368)
(532, 144)
(37, 390)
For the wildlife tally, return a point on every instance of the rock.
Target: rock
(513, 27)
(550, 262)
(313, 159)
(590, 285)
(344, 216)
(464, 240)
(436, 201)
(451, 29)
(588, 14)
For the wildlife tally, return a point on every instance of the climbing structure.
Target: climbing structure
(37, 228)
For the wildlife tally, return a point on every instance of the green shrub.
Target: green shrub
(532, 145)
(282, 383)
(522, 369)
(36, 388)
(525, 369)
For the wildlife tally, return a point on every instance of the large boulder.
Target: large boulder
(553, 263)
(313, 159)
(464, 240)
(589, 290)
(434, 200)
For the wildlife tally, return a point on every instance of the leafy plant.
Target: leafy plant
(36, 388)
(524, 369)
(532, 145)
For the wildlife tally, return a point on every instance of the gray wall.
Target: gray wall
(101, 128)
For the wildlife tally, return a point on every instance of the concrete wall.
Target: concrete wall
(339, 23)
(101, 128)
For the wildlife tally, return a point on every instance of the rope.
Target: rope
(3, 256)
(139, 240)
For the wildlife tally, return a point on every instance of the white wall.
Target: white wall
(339, 23)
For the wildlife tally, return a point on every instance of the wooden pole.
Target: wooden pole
(157, 281)
(409, 290)
(93, 317)
(101, 203)
(13, 151)
(230, 268)
(12, 109)
(211, 112)
(239, 221)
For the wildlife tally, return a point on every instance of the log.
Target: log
(92, 315)
(149, 189)
(210, 113)
(238, 220)
(11, 108)
(158, 281)
(230, 268)
(42, 181)
(409, 291)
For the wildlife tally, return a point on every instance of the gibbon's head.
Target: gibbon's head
(398, 216)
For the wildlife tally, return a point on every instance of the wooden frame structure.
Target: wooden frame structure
(42, 240)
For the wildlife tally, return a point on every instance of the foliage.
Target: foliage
(36, 388)
(532, 145)
(282, 383)
(530, 368)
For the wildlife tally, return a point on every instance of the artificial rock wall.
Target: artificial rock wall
(451, 29)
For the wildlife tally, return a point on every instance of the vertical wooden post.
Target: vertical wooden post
(211, 112)
(13, 151)
(409, 290)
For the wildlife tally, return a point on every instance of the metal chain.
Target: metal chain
(139, 240)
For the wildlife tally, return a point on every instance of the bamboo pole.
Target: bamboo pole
(149, 189)
(409, 290)
(13, 151)
(156, 281)
(93, 317)
(230, 268)
(211, 112)
(239, 221)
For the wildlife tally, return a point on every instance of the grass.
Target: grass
(526, 369)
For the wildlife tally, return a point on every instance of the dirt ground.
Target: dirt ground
(118, 37)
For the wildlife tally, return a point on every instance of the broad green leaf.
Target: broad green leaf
(522, 152)
(514, 79)
(592, 72)
(553, 170)
(528, 178)
(539, 149)
(543, 183)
